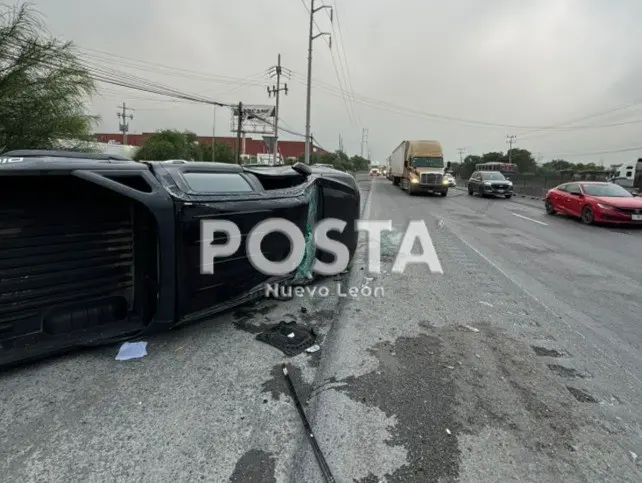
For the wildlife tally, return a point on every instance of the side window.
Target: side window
(563, 187)
(574, 189)
(208, 182)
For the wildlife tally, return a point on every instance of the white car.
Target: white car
(451, 180)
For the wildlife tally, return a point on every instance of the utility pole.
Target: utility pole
(311, 38)
(341, 143)
(364, 141)
(124, 125)
(461, 155)
(276, 91)
(239, 130)
(510, 140)
(214, 136)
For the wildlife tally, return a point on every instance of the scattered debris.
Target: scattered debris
(304, 310)
(325, 469)
(131, 350)
(469, 328)
(180, 348)
(634, 456)
(448, 431)
(485, 303)
(288, 337)
(314, 348)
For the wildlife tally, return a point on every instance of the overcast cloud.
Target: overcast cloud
(508, 62)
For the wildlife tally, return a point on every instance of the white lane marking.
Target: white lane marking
(368, 207)
(530, 219)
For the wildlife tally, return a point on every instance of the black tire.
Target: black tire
(470, 191)
(481, 192)
(549, 207)
(508, 197)
(444, 193)
(588, 217)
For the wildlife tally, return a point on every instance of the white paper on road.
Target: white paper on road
(132, 350)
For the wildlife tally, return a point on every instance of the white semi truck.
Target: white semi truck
(418, 167)
(629, 176)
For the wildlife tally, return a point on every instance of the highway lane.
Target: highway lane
(208, 403)
(545, 387)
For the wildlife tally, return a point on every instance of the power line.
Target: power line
(328, 41)
(345, 57)
(390, 107)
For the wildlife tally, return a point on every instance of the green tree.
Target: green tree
(557, 165)
(523, 159)
(224, 153)
(359, 163)
(493, 157)
(172, 144)
(468, 166)
(43, 86)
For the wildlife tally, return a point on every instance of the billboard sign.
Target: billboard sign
(257, 119)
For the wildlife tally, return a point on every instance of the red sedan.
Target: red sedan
(595, 202)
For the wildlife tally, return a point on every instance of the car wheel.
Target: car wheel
(481, 192)
(548, 204)
(470, 191)
(587, 215)
(444, 193)
(508, 197)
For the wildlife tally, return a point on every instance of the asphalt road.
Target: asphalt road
(544, 387)
(208, 403)
(521, 362)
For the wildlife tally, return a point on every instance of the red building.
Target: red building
(249, 147)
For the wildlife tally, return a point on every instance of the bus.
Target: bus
(509, 170)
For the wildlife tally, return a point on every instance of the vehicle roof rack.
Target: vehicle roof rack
(45, 153)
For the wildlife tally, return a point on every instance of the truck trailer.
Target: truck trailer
(418, 167)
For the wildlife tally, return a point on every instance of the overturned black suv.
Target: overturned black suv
(97, 249)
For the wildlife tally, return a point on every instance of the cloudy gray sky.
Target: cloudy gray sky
(465, 72)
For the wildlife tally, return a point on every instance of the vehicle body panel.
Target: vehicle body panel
(100, 249)
(489, 187)
(411, 175)
(572, 199)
